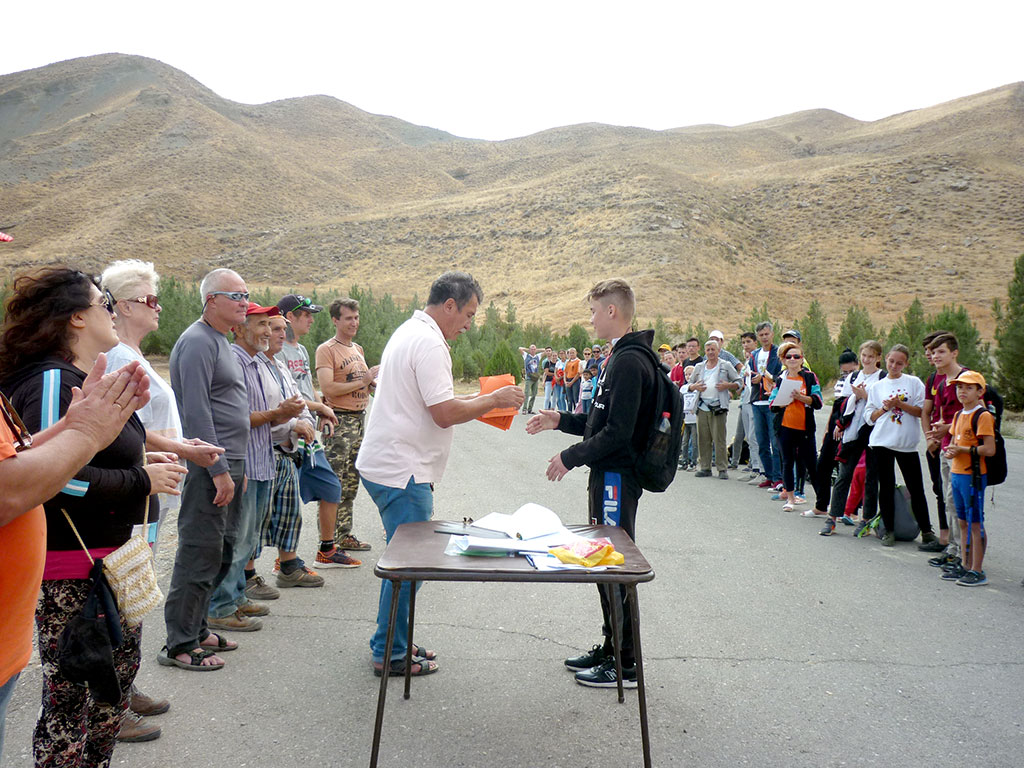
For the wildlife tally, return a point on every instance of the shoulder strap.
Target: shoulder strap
(77, 536)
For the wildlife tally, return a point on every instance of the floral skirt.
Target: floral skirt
(73, 729)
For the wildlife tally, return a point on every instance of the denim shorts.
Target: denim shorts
(317, 481)
(969, 501)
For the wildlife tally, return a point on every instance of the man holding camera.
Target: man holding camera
(714, 378)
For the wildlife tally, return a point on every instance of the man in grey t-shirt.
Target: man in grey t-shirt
(317, 479)
(211, 396)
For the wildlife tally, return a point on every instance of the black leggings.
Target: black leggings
(910, 468)
(797, 450)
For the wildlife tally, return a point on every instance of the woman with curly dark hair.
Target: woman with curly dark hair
(57, 324)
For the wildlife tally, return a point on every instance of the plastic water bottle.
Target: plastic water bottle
(665, 424)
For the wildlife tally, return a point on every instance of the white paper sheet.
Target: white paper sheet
(786, 389)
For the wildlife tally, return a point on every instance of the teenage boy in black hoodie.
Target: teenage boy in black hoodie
(614, 434)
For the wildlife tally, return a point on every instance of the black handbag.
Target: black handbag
(85, 649)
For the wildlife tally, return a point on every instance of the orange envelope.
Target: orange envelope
(497, 417)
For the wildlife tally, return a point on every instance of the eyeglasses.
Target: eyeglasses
(233, 295)
(149, 300)
(586, 354)
(106, 301)
(794, 357)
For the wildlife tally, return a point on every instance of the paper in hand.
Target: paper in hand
(497, 417)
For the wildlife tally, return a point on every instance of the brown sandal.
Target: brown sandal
(397, 668)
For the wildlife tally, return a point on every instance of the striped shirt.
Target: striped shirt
(259, 453)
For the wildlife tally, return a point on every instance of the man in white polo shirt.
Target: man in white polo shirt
(409, 434)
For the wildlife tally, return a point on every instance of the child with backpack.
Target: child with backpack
(973, 438)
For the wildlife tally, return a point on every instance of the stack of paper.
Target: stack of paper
(497, 417)
(528, 522)
(531, 528)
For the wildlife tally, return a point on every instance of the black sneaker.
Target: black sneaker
(954, 574)
(969, 579)
(931, 546)
(952, 565)
(702, 473)
(941, 560)
(603, 676)
(591, 658)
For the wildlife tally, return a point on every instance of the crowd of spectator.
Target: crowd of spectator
(877, 420)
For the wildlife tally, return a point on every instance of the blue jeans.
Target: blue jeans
(412, 504)
(768, 443)
(230, 593)
(5, 696)
(549, 395)
(560, 397)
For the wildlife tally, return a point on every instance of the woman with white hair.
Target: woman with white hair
(133, 284)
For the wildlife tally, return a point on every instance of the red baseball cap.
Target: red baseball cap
(256, 309)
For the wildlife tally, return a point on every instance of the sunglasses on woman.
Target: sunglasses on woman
(149, 300)
(106, 301)
(794, 357)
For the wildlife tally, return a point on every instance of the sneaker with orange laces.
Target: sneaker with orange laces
(336, 558)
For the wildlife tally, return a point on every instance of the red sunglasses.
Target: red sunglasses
(149, 300)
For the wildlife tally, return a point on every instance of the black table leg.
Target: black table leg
(382, 693)
(614, 606)
(634, 612)
(408, 650)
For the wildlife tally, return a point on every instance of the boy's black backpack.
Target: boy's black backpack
(656, 466)
(995, 465)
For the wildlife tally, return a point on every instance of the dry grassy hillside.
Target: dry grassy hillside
(115, 156)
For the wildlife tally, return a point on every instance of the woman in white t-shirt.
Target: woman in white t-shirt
(854, 440)
(134, 284)
(894, 408)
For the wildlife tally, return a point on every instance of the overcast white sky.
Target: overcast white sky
(495, 70)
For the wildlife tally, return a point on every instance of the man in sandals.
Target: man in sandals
(614, 433)
(409, 435)
(210, 390)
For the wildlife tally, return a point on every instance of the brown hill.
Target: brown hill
(114, 156)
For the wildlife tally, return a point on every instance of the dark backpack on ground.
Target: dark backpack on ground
(656, 466)
(906, 527)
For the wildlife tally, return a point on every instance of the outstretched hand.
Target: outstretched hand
(545, 419)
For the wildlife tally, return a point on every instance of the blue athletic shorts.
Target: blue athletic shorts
(317, 481)
(970, 502)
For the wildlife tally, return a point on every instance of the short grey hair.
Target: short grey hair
(454, 285)
(762, 325)
(214, 280)
(124, 278)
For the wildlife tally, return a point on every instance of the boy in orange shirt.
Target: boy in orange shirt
(967, 451)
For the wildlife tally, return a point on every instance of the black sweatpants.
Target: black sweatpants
(823, 473)
(612, 500)
(910, 468)
(935, 471)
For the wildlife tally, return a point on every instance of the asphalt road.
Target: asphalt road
(766, 645)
